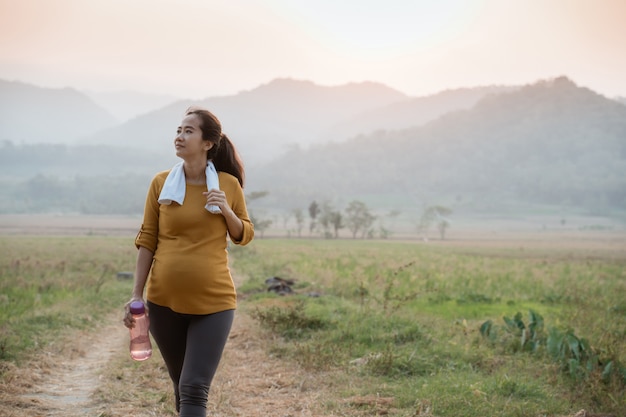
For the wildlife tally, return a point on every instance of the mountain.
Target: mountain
(271, 119)
(125, 105)
(263, 122)
(414, 111)
(549, 143)
(31, 114)
(621, 100)
(549, 146)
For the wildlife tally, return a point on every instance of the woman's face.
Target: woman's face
(188, 141)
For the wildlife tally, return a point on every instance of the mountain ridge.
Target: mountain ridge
(550, 142)
(126, 105)
(267, 121)
(31, 114)
(416, 111)
(264, 122)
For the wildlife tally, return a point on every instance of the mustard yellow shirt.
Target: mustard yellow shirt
(190, 272)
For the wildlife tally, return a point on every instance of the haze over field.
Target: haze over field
(477, 105)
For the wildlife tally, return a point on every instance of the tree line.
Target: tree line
(326, 221)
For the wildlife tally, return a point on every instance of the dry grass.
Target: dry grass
(91, 374)
(97, 378)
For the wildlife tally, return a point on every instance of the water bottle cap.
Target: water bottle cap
(137, 307)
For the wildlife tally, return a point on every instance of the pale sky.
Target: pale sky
(201, 48)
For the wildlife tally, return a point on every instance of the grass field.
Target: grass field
(530, 327)
(404, 320)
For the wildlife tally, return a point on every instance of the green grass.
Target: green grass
(52, 284)
(390, 319)
(407, 317)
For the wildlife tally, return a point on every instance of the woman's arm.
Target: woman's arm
(233, 222)
(142, 268)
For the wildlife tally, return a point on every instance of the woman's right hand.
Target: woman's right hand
(129, 321)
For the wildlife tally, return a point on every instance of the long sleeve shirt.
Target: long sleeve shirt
(190, 272)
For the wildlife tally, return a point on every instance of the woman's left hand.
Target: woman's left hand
(217, 198)
(233, 223)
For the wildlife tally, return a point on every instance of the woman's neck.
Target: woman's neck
(195, 172)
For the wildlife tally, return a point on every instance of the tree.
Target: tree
(255, 195)
(297, 213)
(314, 210)
(384, 232)
(436, 215)
(336, 220)
(260, 224)
(285, 217)
(330, 218)
(359, 218)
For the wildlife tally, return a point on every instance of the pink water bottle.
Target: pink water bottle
(140, 346)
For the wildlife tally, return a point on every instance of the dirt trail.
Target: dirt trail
(252, 383)
(66, 379)
(249, 382)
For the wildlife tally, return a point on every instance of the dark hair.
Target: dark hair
(223, 153)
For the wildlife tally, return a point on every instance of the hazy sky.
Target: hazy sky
(200, 48)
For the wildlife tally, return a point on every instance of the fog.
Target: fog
(548, 148)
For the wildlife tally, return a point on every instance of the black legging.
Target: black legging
(191, 346)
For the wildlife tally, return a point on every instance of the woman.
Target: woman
(190, 212)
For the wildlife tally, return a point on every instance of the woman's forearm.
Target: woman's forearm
(142, 269)
(234, 225)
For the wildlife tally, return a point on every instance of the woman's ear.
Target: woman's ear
(208, 145)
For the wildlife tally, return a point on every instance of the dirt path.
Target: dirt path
(252, 383)
(74, 380)
(249, 382)
(60, 382)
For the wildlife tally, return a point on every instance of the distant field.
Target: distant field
(537, 231)
(67, 224)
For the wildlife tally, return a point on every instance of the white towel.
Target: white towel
(175, 185)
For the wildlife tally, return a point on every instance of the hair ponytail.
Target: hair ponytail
(227, 159)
